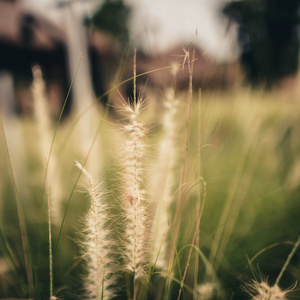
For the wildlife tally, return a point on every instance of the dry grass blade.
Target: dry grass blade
(50, 237)
(176, 223)
(197, 228)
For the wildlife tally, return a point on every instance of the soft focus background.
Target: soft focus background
(246, 65)
(248, 42)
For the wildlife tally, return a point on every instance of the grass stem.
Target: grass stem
(50, 238)
(288, 261)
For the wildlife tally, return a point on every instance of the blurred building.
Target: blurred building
(28, 37)
(52, 35)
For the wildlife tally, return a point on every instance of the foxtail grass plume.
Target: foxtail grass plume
(100, 281)
(164, 180)
(45, 134)
(133, 197)
(41, 111)
(263, 291)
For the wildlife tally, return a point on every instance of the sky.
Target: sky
(161, 24)
(158, 25)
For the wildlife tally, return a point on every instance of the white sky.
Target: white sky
(159, 25)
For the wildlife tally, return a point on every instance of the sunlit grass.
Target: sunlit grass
(248, 154)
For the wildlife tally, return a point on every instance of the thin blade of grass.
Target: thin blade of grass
(287, 261)
(57, 124)
(99, 128)
(200, 205)
(50, 238)
(50, 152)
(209, 267)
(197, 228)
(176, 223)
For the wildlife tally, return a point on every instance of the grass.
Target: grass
(200, 201)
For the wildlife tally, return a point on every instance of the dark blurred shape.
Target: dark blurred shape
(268, 37)
(112, 17)
(27, 39)
(104, 56)
(24, 29)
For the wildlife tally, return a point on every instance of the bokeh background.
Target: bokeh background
(245, 42)
(248, 127)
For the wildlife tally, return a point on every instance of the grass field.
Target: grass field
(218, 175)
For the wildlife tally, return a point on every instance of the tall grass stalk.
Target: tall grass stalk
(178, 212)
(190, 63)
(133, 199)
(48, 162)
(58, 123)
(164, 178)
(199, 175)
(41, 112)
(196, 232)
(50, 236)
(97, 245)
(45, 133)
(288, 261)
(134, 202)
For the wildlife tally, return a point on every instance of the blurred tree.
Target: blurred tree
(112, 17)
(269, 38)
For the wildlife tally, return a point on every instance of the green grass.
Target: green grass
(249, 159)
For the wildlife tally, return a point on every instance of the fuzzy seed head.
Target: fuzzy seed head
(262, 291)
(165, 177)
(206, 291)
(133, 199)
(97, 245)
